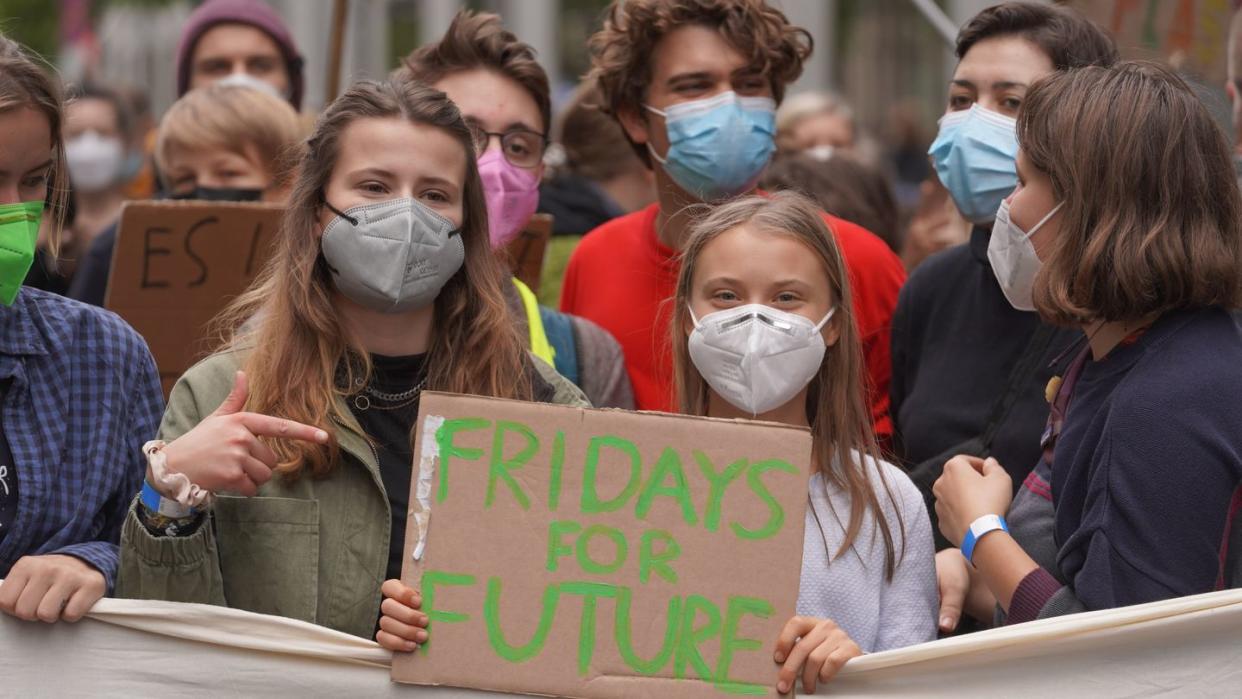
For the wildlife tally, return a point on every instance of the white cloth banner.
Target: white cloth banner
(1184, 647)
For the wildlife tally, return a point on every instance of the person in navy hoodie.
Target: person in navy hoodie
(1127, 223)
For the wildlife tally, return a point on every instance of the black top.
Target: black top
(90, 281)
(8, 474)
(389, 424)
(955, 340)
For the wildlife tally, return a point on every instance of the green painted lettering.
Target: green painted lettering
(625, 641)
(591, 565)
(690, 637)
(719, 482)
(444, 442)
(735, 609)
(500, 466)
(556, 549)
(431, 579)
(777, 516)
(491, 614)
(669, 464)
(558, 461)
(586, 630)
(591, 502)
(651, 561)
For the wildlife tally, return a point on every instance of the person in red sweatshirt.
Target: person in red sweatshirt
(695, 84)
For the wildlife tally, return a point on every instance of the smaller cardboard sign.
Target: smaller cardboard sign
(525, 253)
(177, 264)
(602, 553)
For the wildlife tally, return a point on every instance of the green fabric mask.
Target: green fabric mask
(19, 230)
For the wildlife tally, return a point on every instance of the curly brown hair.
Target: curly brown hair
(621, 51)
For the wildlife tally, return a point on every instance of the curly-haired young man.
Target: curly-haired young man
(694, 84)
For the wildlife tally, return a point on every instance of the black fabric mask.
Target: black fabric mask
(219, 194)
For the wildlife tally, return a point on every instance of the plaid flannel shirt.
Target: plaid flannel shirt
(85, 396)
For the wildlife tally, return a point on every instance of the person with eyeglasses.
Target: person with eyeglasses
(503, 94)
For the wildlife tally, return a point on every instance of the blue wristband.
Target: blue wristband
(978, 529)
(158, 504)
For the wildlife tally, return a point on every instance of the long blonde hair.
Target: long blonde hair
(840, 422)
(302, 357)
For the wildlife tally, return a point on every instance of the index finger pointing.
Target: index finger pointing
(268, 426)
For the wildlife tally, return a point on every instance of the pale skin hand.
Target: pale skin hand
(224, 453)
(815, 648)
(50, 588)
(403, 627)
(961, 590)
(969, 488)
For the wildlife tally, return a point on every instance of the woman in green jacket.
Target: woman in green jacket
(382, 284)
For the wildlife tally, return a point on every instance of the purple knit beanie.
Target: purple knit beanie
(251, 12)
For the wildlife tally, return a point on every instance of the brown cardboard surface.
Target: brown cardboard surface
(1188, 34)
(525, 252)
(177, 264)
(504, 492)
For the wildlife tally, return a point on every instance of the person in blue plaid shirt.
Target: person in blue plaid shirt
(79, 392)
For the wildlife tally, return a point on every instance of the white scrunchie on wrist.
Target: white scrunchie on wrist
(184, 492)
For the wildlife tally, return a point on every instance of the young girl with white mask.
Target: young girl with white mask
(764, 329)
(382, 284)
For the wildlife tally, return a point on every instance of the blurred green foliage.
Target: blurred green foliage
(36, 23)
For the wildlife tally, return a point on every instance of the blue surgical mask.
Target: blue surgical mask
(975, 156)
(718, 146)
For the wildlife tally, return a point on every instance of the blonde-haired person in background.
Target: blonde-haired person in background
(763, 328)
(79, 393)
(218, 143)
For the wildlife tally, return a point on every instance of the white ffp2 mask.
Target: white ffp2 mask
(1013, 257)
(756, 357)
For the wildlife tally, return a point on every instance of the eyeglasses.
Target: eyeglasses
(521, 147)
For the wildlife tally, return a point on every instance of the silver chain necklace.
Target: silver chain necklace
(363, 402)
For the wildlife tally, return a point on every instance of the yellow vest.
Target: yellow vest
(539, 344)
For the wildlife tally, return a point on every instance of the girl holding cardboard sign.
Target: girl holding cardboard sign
(763, 329)
(383, 283)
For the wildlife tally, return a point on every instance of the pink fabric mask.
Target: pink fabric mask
(512, 194)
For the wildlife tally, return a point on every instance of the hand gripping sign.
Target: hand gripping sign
(591, 553)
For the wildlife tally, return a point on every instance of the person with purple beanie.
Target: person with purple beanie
(240, 41)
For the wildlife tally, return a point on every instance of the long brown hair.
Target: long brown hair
(302, 357)
(1152, 216)
(26, 84)
(840, 423)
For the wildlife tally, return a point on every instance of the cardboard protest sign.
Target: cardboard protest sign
(176, 264)
(525, 252)
(598, 553)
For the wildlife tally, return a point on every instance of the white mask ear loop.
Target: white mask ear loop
(822, 323)
(1044, 220)
(692, 316)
